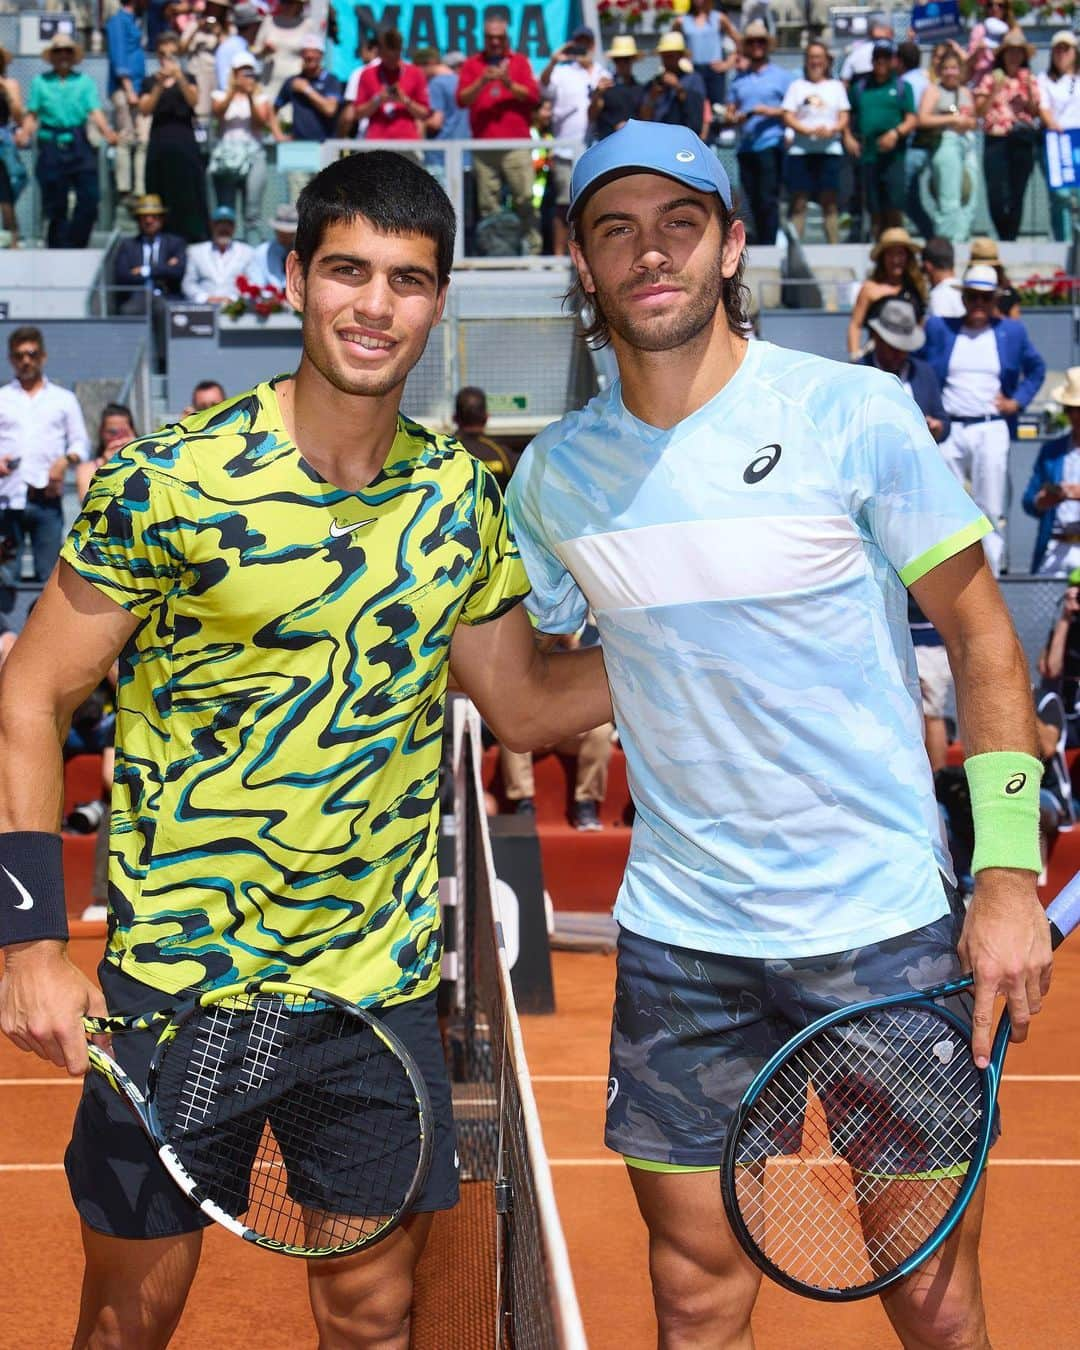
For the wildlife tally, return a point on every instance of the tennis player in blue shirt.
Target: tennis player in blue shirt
(743, 521)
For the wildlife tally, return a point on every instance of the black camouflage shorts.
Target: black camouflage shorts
(691, 1029)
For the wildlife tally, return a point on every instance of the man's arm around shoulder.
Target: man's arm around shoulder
(70, 640)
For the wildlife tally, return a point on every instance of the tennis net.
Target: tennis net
(499, 1136)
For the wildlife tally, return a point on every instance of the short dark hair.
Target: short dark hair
(25, 334)
(204, 385)
(470, 406)
(735, 295)
(391, 40)
(390, 190)
(939, 252)
(910, 55)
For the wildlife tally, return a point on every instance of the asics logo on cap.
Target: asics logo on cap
(685, 156)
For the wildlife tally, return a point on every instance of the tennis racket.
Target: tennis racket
(859, 1143)
(290, 1117)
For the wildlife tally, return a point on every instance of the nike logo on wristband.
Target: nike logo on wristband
(27, 901)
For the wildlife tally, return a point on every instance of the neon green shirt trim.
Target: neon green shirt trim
(948, 548)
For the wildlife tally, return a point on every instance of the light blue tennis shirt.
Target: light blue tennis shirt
(747, 571)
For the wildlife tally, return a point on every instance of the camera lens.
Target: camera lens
(86, 817)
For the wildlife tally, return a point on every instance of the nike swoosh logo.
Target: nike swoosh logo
(27, 901)
(340, 531)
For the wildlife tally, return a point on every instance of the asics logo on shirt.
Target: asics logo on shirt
(27, 901)
(340, 531)
(763, 463)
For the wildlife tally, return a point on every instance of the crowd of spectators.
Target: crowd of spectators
(890, 138)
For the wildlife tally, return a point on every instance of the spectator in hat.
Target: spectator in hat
(947, 123)
(268, 263)
(1007, 101)
(676, 95)
(392, 95)
(938, 263)
(1059, 93)
(238, 164)
(127, 70)
(62, 103)
(985, 38)
(882, 117)
(896, 337)
(816, 111)
(860, 58)
(246, 22)
(569, 80)
(500, 91)
(896, 274)
(712, 44)
(279, 44)
(618, 96)
(989, 372)
(149, 264)
(212, 267)
(756, 107)
(447, 121)
(175, 168)
(309, 102)
(1053, 491)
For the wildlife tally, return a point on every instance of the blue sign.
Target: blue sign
(936, 20)
(1063, 160)
(535, 29)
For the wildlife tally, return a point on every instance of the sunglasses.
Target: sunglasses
(26, 354)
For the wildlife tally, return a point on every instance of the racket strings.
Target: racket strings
(300, 1121)
(857, 1148)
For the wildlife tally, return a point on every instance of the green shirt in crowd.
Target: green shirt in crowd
(62, 103)
(878, 108)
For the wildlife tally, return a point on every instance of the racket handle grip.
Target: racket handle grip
(1064, 911)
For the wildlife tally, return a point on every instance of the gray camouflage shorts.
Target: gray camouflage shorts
(691, 1029)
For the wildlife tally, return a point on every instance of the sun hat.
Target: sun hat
(285, 218)
(757, 28)
(150, 205)
(896, 324)
(671, 41)
(244, 15)
(61, 42)
(312, 42)
(1068, 394)
(1014, 38)
(623, 46)
(454, 59)
(978, 277)
(893, 237)
(649, 147)
(243, 61)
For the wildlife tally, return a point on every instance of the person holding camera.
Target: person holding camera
(1053, 491)
(570, 79)
(677, 95)
(392, 95)
(174, 169)
(198, 43)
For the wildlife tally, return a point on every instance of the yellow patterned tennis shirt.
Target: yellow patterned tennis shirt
(280, 706)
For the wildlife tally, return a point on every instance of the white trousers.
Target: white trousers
(978, 453)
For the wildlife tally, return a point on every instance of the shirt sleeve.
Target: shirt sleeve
(900, 492)
(128, 539)
(500, 582)
(78, 438)
(555, 601)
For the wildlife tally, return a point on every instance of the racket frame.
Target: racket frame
(142, 1104)
(989, 1078)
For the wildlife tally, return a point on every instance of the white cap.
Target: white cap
(243, 61)
(978, 277)
(313, 42)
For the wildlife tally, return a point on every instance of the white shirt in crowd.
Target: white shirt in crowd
(570, 88)
(37, 429)
(1061, 98)
(211, 272)
(946, 301)
(816, 104)
(974, 377)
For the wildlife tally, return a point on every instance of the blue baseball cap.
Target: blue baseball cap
(223, 213)
(649, 147)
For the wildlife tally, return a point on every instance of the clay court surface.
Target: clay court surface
(246, 1297)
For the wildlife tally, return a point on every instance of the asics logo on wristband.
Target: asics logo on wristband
(1015, 784)
(27, 901)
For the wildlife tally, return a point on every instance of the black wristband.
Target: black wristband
(32, 907)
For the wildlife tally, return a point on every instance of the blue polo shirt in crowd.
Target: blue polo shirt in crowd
(308, 124)
(123, 42)
(442, 95)
(751, 87)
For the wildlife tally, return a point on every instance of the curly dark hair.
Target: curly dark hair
(735, 294)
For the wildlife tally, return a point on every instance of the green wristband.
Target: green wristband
(1005, 809)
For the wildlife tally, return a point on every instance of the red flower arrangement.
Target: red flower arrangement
(251, 299)
(1053, 290)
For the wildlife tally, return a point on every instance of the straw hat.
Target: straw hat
(285, 219)
(984, 250)
(1068, 394)
(150, 205)
(622, 47)
(672, 41)
(1014, 38)
(977, 277)
(1064, 38)
(757, 28)
(893, 237)
(63, 42)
